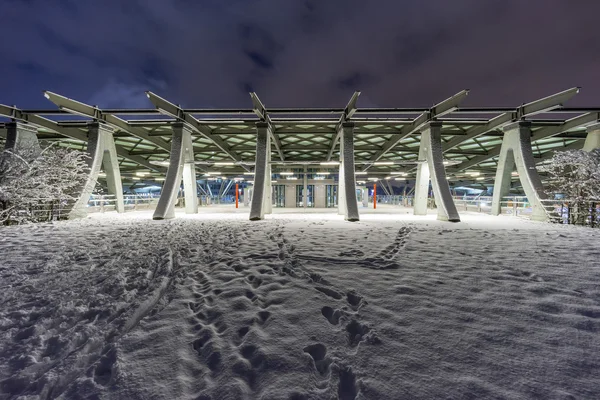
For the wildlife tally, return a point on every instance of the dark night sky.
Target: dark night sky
(210, 53)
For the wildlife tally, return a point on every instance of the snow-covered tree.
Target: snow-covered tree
(576, 175)
(35, 183)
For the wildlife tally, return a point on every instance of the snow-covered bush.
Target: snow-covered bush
(575, 174)
(38, 184)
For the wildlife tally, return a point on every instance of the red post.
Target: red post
(237, 193)
(374, 195)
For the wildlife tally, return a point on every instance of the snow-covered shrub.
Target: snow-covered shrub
(36, 184)
(575, 174)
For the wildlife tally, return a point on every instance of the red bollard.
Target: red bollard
(374, 195)
(237, 193)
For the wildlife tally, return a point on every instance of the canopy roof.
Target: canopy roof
(386, 139)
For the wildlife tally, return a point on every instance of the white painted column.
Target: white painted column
(268, 184)
(262, 174)
(103, 153)
(421, 183)
(516, 150)
(181, 166)
(430, 151)
(21, 136)
(347, 204)
(592, 140)
(305, 188)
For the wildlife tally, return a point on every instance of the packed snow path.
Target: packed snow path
(297, 307)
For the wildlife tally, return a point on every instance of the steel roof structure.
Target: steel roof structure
(386, 140)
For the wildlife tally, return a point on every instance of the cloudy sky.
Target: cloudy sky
(313, 53)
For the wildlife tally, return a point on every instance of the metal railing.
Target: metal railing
(132, 202)
(38, 210)
(106, 202)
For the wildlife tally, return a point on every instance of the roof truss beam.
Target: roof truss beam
(349, 111)
(73, 133)
(168, 108)
(260, 110)
(576, 122)
(440, 109)
(78, 108)
(535, 107)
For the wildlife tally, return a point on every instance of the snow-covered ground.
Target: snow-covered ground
(299, 306)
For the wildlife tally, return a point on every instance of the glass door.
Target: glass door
(279, 195)
(300, 196)
(331, 196)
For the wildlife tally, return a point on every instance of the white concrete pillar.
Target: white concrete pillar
(516, 150)
(290, 195)
(347, 204)
(181, 166)
(247, 194)
(365, 197)
(261, 198)
(20, 136)
(319, 195)
(592, 140)
(103, 153)
(433, 168)
(305, 188)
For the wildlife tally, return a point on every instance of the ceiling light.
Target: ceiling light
(273, 181)
(159, 179)
(323, 173)
(141, 173)
(135, 178)
(383, 163)
(248, 173)
(213, 173)
(473, 173)
(360, 173)
(225, 163)
(373, 179)
(480, 178)
(102, 174)
(286, 173)
(330, 163)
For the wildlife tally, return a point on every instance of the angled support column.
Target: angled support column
(261, 196)
(431, 152)
(592, 140)
(347, 204)
(181, 166)
(103, 153)
(20, 135)
(516, 150)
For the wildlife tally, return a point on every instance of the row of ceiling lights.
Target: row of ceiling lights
(290, 175)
